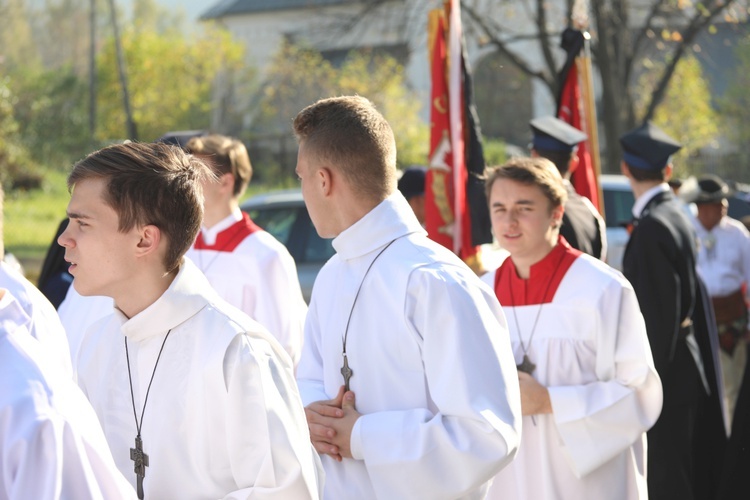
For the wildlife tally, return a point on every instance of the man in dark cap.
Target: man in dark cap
(659, 261)
(582, 226)
(411, 185)
(724, 266)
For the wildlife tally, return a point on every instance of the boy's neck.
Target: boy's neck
(214, 214)
(133, 301)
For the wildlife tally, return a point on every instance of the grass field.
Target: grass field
(31, 219)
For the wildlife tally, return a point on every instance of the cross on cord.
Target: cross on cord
(526, 365)
(347, 373)
(140, 461)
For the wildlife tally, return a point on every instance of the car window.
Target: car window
(316, 249)
(277, 221)
(292, 227)
(738, 207)
(618, 206)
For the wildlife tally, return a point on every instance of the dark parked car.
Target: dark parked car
(284, 215)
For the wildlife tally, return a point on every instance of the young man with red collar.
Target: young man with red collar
(247, 266)
(589, 390)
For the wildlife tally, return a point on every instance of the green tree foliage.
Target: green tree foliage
(16, 42)
(735, 105)
(170, 76)
(14, 158)
(495, 152)
(686, 112)
(51, 107)
(299, 76)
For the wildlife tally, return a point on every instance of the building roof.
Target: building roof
(233, 7)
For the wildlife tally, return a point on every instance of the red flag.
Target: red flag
(570, 110)
(447, 215)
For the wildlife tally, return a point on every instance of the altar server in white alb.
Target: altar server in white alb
(247, 266)
(589, 389)
(51, 444)
(196, 399)
(406, 373)
(44, 323)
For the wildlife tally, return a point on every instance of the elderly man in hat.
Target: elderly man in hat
(582, 225)
(724, 265)
(659, 262)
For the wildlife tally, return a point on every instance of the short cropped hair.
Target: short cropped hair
(642, 174)
(532, 172)
(226, 156)
(151, 184)
(561, 159)
(349, 134)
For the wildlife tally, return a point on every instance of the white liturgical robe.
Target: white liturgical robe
(434, 377)
(45, 325)
(51, 444)
(254, 272)
(77, 313)
(223, 418)
(591, 351)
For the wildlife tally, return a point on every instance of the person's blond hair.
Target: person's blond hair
(151, 184)
(537, 171)
(226, 156)
(350, 135)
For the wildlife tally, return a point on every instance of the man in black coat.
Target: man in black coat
(659, 261)
(582, 225)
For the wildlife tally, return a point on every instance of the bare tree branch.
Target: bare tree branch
(641, 37)
(697, 24)
(544, 40)
(501, 45)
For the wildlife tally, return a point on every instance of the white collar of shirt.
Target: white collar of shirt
(189, 293)
(643, 200)
(390, 219)
(722, 225)
(211, 233)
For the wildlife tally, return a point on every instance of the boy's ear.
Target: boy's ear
(150, 239)
(226, 181)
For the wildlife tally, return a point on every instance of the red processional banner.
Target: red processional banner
(447, 212)
(570, 110)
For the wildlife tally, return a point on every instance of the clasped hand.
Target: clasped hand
(331, 423)
(534, 396)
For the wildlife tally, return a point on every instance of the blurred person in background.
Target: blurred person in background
(247, 266)
(724, 264)
(583, 226)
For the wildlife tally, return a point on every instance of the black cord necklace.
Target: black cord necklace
(345, 370)
(526, 365)
(139, 458)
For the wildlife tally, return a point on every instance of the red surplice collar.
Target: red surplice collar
(229, 238)
(544, 277)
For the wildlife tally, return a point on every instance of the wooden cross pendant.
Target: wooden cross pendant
(526, 365)
(140, 461)
(346, 372)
